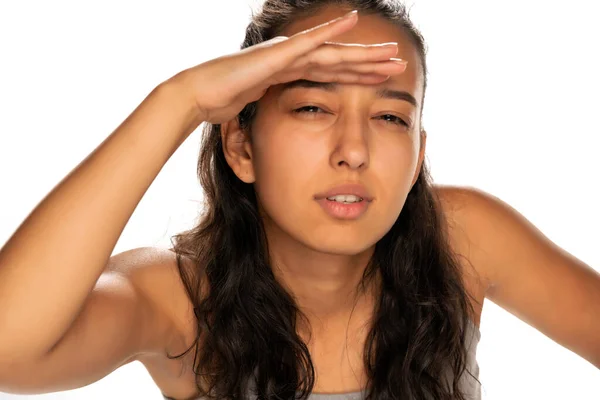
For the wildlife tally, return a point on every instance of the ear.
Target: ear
(422, 145)
(237, 150)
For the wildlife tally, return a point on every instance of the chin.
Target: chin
(341, 244)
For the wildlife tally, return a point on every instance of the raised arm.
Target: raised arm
(55, 258)
(53, 307)
(122, 320)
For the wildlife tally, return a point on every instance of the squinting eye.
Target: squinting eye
(394, 119)
(306, 108)
(317, 110)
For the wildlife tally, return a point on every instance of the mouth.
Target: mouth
(346, 198)
(346, 193)
(344, 210)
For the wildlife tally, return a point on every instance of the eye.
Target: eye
(306, 108)
(317, 110)
(394, 119)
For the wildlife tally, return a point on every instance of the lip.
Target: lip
(355, 189)
(343, 211)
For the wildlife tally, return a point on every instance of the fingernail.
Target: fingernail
(343, 17)
(350, 14)
(399, 61)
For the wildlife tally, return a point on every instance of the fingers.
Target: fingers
(335, 53)
(301, 43)
(393, 66)
(311, 55)
(368, 72)
(314, 37)
(330, 75)
(339, 56)
(370, 59)
(347, 77)
(321, 73)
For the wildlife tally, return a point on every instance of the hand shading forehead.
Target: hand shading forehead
(370, 29)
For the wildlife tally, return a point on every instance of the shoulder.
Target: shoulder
(476, 220)
(481, 226)
(154, 272)
(467, 211)
(455, 199)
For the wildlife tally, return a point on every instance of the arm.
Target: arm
(50, 265)
(529, 275)
(122, 320)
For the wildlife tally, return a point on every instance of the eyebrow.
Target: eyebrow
(383, 93)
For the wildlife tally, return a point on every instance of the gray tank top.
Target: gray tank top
(470, 386)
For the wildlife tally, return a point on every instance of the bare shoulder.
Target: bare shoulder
(155, 273)
(455, 198)
(527, 274)
(462, 207)
(469, 211)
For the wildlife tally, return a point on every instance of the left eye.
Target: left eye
(306, 108)
(317, 110)
(393, 119)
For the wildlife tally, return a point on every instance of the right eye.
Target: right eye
(306, 109)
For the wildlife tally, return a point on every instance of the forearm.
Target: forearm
(52, 261)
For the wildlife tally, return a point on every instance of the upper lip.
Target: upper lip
(355, 189)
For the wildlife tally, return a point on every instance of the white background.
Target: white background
(512, 109)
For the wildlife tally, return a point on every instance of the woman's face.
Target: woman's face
(345, 134)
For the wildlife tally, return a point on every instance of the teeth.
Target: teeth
(345, 198)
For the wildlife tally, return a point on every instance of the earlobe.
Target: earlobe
(237, 150)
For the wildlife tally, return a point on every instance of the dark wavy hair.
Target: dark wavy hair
(246, 321)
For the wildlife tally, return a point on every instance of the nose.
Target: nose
(351, 148)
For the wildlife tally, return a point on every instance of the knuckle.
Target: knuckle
(311, 73)
(309, 60)
(369, 69)
(340, 53)
(319, 76)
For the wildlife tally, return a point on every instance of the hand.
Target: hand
(223, 86)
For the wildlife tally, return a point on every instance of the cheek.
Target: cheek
(288, 161)
(394, 165)
(290, 167)
(393, 169)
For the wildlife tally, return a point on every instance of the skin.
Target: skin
(290, 157)
(353, 137)
(139, 307)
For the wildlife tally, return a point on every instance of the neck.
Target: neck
(324, 286)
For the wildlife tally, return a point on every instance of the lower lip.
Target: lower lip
(344, 210)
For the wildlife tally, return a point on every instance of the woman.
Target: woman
(381, 288)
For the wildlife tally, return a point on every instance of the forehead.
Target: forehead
(370, 29)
